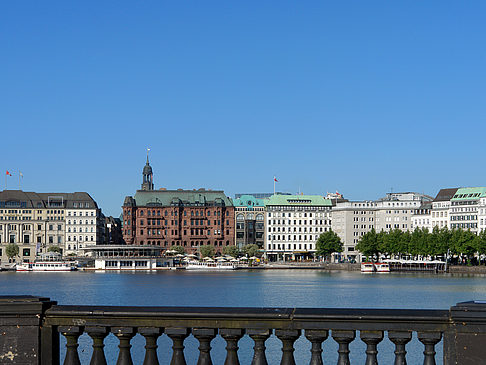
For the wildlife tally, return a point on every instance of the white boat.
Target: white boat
(46, 266)
(382, 267)
(367, 267)
(196, 265)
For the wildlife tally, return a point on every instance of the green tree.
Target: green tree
(328, 243)
(464, 242)
(369, 242)
(54, 249)
(207, 251)
(231, 251)
(178, 249)
(251, 250)
(12, 250)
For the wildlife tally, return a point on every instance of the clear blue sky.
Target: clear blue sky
(355, 96)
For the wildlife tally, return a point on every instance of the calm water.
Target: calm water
(270, 288)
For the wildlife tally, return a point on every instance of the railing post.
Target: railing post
(151, 335)
(429, 339)
(343, 338)
(288, 337)
(371, 339)
(98, 335)
(124, 335)
(259, 336)
(72, 334)
(24, 338)
(204, 336)
(232, 336)
(316, 337)
(465, 341)
(400, 339)
(178, 335)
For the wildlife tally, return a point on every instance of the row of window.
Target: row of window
(290, 246)
(300, 222)
(184, 243)
(289, 229)
(295, 237)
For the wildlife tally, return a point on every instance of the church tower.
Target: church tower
(148, 178)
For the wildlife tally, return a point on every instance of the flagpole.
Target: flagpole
(274, 185)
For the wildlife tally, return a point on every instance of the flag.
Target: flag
(275, 179)
(8, 173)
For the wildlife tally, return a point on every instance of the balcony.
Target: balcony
(32, 327)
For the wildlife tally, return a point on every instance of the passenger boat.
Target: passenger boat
(382, 267)
(367, 267)
(46, 266)
(196, 265)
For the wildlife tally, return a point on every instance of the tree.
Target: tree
(251, 250)
(328, 243)
(207, 251)
(368, 243)
(178, 249)
(11, 250)
(54, 249)
(231, 251)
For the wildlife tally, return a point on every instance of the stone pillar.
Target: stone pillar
(22, 340)
(464, 340)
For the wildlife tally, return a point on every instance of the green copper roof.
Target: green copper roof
(248, 201)
(298, 200)
(469, 194)
(184, 197)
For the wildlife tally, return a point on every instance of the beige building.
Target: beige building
(37, 221)
(352, 219)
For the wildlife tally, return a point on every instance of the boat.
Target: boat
(197, 265)
(382, 267)
(367, 267)
(46, 266)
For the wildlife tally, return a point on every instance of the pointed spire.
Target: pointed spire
(148, 149)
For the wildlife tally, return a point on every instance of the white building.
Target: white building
(84, 223)
(440, 216)
(465, 209)
(421, 217)
(294, 223)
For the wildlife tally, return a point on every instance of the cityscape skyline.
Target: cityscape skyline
(359, 98)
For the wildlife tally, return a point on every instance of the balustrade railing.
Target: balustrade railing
(462, 329)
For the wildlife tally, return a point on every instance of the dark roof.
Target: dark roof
(31, 200)
(200, 197)
(445, 194)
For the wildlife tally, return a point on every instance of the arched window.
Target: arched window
(240, 217)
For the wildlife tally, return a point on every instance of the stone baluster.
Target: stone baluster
(288, 337)
(98, 335)
(232, 336)
(151, 335)
(343, 338)
(178, 335)
(204, 336)
(72, 334)
(429, 339)
(400, 339)
(259, 337)
(124, 335)
(371, 339)
(316, 337)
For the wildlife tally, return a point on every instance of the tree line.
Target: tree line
(422, 242)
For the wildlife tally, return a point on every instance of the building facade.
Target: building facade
(294, 224)
(37, 221)
(249, 221)
(440, 216)
(187, 218)
(465, 208)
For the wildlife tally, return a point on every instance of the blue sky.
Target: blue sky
(355, 96)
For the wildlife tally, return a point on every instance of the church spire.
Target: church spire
(147, 175)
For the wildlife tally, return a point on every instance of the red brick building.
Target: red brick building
(187, 218)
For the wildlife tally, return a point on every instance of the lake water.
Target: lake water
(266, 288)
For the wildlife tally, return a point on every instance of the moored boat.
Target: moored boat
(196, 265)
(382, 267)
(46, 266)
(367, 267)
